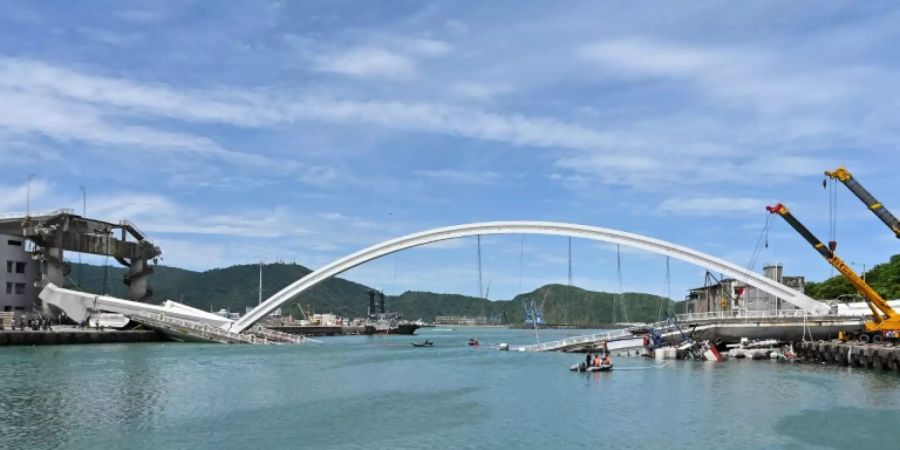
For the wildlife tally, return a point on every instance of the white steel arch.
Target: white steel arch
(528, 227)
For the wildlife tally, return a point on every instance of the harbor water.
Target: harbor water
(380, 392)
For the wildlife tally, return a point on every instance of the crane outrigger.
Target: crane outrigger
(884, 318)
(844, 176)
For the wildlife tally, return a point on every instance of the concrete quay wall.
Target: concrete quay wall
(75, 336)
(851, 354)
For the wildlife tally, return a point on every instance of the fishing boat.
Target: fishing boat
(426, 343)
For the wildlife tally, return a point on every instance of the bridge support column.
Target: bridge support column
(54, 271)
(137, 278)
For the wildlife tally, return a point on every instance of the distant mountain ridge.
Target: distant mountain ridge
(235, 288)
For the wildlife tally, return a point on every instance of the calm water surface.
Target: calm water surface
(380, 392)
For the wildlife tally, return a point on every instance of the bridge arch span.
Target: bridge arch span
(527, 227)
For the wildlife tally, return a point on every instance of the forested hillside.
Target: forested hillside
(885, 278)
(235, 288)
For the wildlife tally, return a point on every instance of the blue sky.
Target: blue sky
(234, 132)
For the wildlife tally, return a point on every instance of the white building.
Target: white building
(18, 274)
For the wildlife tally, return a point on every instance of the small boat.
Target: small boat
(582, 367)
(426, 343)
(473, 342)
(504, 347)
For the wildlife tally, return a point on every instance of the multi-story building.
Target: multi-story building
(729, 294)
(18, 274)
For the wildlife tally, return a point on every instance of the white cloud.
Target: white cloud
(13, 199)
(67, 104)
(461, 176)
(132, 206)
(480, 91)
(456, 27)
(368, 62)
(425, 47)
(740, 74)
(46, 82)
(712, 206)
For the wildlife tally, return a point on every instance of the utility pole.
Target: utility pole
(260, 283)
(83, 214)
(28, 195)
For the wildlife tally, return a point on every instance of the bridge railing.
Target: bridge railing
(23, 214)
(741, 314)
(574, 340)
(199, 330)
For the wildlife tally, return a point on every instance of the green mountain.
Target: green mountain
(235, 288)
(885, 278)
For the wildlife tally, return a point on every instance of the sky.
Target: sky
(245, 131)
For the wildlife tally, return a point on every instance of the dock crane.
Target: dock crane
(884, 318)
(844, 176)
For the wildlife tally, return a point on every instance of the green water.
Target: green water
(380, 392)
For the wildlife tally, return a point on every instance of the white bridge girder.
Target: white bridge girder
(528, 227)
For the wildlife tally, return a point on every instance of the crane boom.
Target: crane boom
(844, 176)
(884, 317)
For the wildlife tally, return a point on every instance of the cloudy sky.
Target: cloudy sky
(301, 131)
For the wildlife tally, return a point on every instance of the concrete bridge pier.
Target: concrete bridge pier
(137, 279)
(55, 270)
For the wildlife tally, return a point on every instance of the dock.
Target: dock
(62, 335)
(852, 354)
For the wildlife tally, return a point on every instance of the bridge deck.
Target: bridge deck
(690, 322)
(186, 330)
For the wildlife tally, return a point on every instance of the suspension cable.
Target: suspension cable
(619, 274)
(668, 291)
(832, 212)
(521, 260)
(832, 219)
(480, 282)
(761, 242)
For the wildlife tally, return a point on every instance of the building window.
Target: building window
(9, 266)
(20, 267)
(12, 242)
(7, 308)
(20, 288)
(8, 288)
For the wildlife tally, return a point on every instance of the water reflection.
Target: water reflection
(381, 392)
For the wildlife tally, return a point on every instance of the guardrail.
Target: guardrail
(574, 340)
(199, 330)
(741, 314)
(255, 335)
(276, 336)
(135, 230)
(23, 214)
